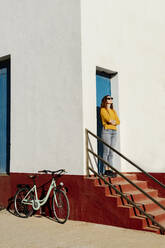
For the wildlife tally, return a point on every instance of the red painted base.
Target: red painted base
(88, 202)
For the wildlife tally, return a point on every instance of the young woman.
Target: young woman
(110, 121)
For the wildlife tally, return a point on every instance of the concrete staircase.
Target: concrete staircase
(119, 212)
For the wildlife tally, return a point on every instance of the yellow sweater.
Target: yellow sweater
(108, 115)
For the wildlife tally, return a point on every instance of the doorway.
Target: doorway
(106, 84)
(4, 114)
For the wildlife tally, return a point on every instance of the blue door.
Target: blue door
(3, 120)
(103, 88)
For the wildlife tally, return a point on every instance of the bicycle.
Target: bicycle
(26, 199)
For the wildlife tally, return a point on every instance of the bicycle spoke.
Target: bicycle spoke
(61, 206)
(23, 210)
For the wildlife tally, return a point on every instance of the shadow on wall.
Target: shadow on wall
(99, 144)
(45, 210)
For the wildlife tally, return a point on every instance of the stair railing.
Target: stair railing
(90, 150)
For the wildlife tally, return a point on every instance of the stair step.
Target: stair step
(151, 229)
(159, 215)
(150, 205)
(116, 180)
(136, 219)
(157, 228)
(139, 196)
(112, 180)
(120, 178)
(126, 187)
(162, 223)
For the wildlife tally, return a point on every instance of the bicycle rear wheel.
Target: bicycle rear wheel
(23, 210)
(61, 207)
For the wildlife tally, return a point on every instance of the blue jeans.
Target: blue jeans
(110, 137)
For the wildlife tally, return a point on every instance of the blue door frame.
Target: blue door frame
(4, 116)
(103, 88)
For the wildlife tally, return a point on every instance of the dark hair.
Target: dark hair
(104, 102)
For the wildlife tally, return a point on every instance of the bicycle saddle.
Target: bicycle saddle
(32, 176)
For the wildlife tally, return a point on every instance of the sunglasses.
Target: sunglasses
(109, 98)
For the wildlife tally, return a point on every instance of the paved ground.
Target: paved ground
(40, 232)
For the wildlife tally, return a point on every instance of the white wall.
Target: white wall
(128, 37)
(49, 107)
(43, 38)
(115, 94)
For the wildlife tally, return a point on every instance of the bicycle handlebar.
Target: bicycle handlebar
(53, 172)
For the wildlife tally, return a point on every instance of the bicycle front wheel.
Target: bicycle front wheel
(61, 207)
(23, 210)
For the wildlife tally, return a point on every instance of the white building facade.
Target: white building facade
(128, 37)
(55, 48)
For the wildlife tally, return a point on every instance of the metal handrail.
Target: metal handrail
(130, 201)
(136, 186)
(128, 160)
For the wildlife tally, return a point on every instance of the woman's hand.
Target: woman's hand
(112, 122)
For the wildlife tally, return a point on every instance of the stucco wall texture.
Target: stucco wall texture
(128, 37)
(55, 46)
(43, 39)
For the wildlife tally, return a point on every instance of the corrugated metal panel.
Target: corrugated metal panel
(3, 120)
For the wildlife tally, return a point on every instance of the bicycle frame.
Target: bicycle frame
(36, 203)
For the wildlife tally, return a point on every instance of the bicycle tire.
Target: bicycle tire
(60, 206)
(23, 210)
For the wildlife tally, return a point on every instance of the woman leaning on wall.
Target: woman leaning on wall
(110, 121)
